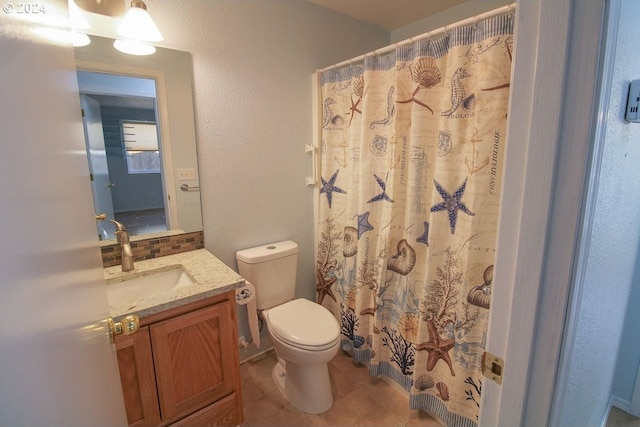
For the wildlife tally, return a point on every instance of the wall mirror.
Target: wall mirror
(129, 103)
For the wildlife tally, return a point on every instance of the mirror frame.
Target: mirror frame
(176, 122)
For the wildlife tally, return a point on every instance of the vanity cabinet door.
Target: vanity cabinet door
(195, 359)
(137, 378)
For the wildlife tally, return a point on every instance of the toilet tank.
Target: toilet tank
(272, 270)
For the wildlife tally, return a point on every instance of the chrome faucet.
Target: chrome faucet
(126, 252)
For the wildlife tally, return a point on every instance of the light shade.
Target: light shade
(134, 47)
(138, 25)
(79, 39)
(78, 20)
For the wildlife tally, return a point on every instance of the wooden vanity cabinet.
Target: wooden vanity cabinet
(137, 377)
(189, 355)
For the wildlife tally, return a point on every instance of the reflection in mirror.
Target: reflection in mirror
(123, 150)
(144, 182)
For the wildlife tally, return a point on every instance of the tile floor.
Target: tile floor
(619, 418)
(359, 399)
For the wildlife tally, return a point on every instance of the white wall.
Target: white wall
(252, 65)
(611, 258)
(621, 179)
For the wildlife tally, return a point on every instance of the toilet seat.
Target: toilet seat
(304, 324)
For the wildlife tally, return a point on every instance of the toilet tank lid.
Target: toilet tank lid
(267, 252)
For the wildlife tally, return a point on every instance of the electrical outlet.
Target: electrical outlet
(186, 174)
(633, 103)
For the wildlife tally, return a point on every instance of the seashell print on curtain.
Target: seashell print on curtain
(412, 149)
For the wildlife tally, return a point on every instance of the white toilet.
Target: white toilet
(305, 334)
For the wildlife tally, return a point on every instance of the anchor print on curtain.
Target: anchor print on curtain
(412, 148)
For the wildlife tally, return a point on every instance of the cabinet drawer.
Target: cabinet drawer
(225, 412)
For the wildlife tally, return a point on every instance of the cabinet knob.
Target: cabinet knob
(129, 325)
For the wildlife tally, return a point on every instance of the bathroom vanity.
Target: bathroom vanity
(181, 368)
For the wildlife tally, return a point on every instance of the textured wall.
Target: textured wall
(612, 256)
(252, 66)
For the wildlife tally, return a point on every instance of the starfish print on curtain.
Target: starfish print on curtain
(324, 287)
(424, 237)
(363, 224)
(358, 89)
(383, 195)
(329, 187)
(452, 204)
(438, 348)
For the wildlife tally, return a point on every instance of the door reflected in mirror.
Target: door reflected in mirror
(124, 152)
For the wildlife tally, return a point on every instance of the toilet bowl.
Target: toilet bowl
(304, 345)
(306, 335)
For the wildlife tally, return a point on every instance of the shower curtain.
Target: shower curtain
(411, 165)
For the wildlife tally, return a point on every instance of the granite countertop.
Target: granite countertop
(209, 275)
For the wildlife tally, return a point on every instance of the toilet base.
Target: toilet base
(307, 387)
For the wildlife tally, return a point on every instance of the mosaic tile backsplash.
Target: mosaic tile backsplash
(154, 247)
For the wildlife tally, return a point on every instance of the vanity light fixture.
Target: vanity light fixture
(79, 24)
(137, 29)
(79, 39)
(102, 7)
(138, 25)
(78, 20)
(134, 47)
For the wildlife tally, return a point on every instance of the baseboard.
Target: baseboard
(603, 423)
(620, 403)
(258, 356)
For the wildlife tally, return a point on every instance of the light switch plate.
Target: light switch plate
(186, 174)
(633, 103)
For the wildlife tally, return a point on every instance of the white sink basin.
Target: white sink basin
(119, 292)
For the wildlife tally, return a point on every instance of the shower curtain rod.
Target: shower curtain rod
(490, 14)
